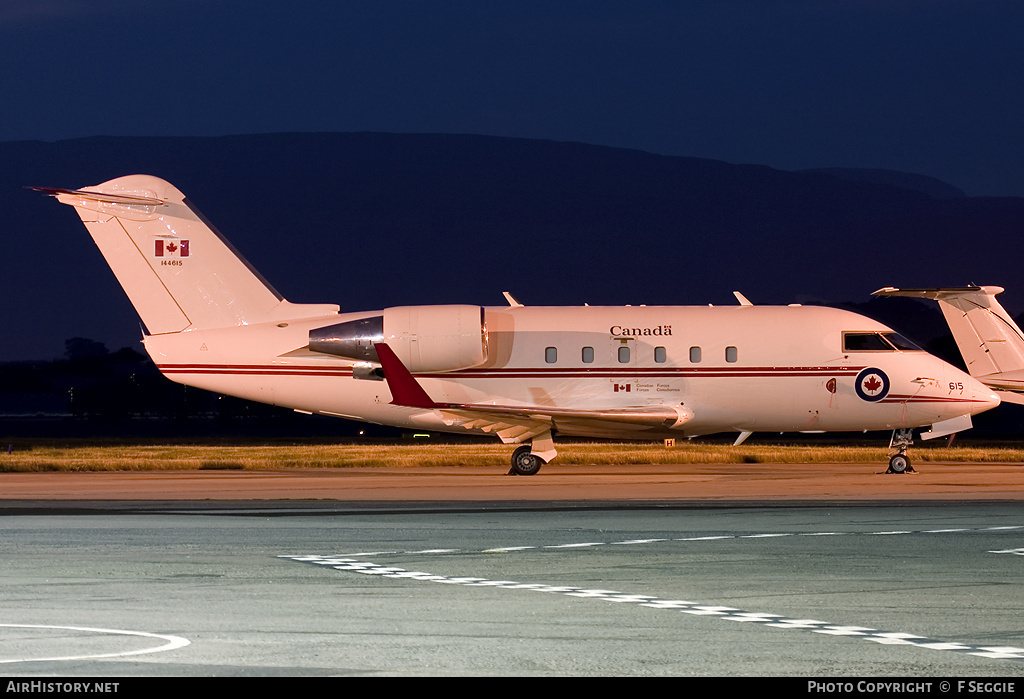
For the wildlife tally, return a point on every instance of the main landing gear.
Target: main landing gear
(527, 460)
(524, 462)
(898, 462)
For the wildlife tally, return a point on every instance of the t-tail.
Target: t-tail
(990, 341)
(178, 272)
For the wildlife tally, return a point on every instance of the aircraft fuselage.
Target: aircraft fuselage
(735, 368)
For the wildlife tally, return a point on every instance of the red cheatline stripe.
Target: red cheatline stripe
(927, 399)
(254, 370)
(294, 370)
(659, 370)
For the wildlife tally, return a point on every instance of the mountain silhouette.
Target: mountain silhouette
(369, 220)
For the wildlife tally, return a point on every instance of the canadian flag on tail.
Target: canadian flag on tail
(167, 248)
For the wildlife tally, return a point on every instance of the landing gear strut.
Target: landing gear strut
(898, 462)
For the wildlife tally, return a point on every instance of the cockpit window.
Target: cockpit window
(865, 342)
(902, 343)
(877, 342)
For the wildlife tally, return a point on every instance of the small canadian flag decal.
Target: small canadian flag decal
(622, 387)
(167, 248)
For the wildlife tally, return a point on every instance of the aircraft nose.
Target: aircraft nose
(984, 398)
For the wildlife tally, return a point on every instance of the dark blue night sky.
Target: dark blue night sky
(927, 86)
(919, 86)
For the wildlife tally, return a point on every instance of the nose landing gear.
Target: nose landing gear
(898, 462)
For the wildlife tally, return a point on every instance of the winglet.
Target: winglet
(405, 390)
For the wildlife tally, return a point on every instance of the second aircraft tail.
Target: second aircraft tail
(990, 341)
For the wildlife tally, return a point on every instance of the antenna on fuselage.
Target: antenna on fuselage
(511, 301)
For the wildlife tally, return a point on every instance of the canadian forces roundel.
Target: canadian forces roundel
(872, 384)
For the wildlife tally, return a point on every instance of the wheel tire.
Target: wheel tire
(899, 463)
(524, 463)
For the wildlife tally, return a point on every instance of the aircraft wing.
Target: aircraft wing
(516, 423)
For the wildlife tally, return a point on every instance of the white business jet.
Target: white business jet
(523, 373)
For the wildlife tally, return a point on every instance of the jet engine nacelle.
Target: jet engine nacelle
(425, 338)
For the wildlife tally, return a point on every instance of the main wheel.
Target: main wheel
(899, 463)
(525, 463)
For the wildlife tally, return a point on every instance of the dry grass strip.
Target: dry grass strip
(166, 457)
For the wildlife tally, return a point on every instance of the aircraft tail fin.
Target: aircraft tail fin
(990, 341)
(176, 269)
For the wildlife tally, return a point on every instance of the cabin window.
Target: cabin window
(588, 355)
(551, 355)
(730, 354)
(623, 355)
(660, 356)
(695, 355)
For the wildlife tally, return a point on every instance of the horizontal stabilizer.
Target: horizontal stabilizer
(1009, 397)
(101, 197)
(1005, 381)
(938, 292)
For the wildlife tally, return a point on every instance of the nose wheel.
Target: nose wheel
(899, 462)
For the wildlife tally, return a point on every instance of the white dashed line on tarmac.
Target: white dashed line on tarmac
(710, 537)
(775, 621)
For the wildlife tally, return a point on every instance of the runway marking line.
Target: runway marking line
(173, 643)
(348, 562)
(345, 564)
(710, 537)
